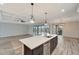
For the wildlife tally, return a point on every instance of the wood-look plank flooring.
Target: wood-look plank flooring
(12, 46)
(69, 46)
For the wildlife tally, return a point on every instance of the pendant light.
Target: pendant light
(32, 17)
(45, 18)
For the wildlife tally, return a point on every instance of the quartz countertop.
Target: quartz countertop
(35, 41)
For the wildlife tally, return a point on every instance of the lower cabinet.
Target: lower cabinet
(36, 51)
(27, 51)
(53, 44)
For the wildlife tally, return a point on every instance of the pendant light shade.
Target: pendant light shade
(32, 21)
(45, 18)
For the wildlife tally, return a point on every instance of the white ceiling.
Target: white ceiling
(54, 11)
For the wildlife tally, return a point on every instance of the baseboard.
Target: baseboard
(14, 35)
(71, 37)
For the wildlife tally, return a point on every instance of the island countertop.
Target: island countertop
(35, 41)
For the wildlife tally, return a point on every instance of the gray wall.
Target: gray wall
(10, 29)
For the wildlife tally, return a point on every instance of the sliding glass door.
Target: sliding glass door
(40, 29)
(58, 29)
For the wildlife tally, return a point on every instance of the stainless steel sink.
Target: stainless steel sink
(48, 36)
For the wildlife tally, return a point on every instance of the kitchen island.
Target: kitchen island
(39, 45)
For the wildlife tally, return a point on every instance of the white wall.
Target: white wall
(13, 29)
(30, 29)
(10, 29)
(71, 29)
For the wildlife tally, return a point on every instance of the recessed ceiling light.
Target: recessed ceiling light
(78, 10)
(62, 10)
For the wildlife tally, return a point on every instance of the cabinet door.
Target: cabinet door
(38, 50)
(53, 44)
(46, 48)
(27, 51)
